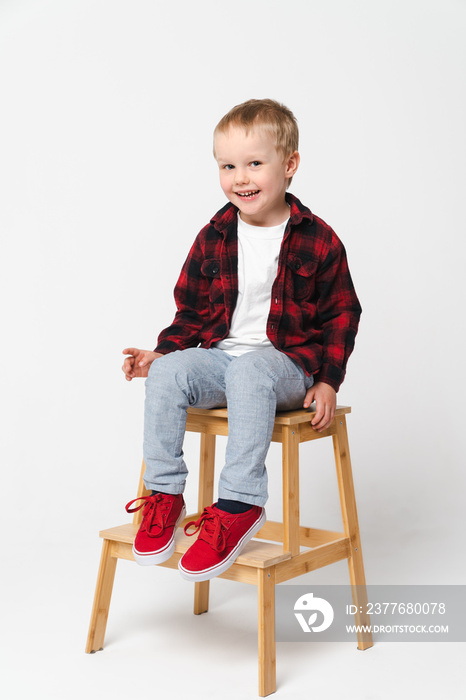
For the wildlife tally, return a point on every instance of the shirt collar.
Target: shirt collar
(228, 214)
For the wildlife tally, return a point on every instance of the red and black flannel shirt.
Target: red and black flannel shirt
(314, 311)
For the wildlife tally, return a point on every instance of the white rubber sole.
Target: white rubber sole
(154, 558)
(207, 574)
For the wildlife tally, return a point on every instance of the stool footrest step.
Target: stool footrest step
(257, 554)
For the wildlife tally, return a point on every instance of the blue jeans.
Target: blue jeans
(253, 387)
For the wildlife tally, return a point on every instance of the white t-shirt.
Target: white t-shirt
(258, 252)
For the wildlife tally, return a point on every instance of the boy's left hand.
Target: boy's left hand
(325, 397)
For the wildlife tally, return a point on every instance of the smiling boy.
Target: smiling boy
(266, 319)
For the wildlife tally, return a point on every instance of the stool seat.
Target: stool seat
(279, 552)
(299, 415)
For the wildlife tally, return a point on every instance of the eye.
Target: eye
(228, 166)
(255, 163)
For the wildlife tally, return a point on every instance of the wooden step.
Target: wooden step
(257, 553)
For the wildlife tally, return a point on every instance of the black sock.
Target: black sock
(163, 494)
(233, 507)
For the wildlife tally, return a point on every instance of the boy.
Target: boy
(266, 320)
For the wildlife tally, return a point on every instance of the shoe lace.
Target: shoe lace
(154, 509)
(213, 529)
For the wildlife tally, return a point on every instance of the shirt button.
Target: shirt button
(297, 265)
(276, 300)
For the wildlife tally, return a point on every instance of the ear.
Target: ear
(291, 164)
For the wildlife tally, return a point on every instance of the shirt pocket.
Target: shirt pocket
(211, 270)
(300, 277)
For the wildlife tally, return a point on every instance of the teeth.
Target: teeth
(247, 194)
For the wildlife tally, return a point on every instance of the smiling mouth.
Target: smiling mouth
(248, 195)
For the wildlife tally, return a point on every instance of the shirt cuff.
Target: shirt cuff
(166, 347)
(330, 374)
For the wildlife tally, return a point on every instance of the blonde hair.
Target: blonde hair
(272, 115)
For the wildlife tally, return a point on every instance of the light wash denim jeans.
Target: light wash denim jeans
(253, 386)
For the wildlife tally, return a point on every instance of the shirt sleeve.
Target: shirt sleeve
(338, 310)
(191, 297)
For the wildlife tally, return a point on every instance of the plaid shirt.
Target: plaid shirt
(314, 311)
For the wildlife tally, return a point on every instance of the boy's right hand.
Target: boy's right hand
(138, 362)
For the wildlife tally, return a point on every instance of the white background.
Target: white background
(106, 175)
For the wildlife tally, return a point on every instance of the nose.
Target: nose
(241, 176)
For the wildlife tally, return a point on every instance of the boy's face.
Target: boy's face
(254, 175)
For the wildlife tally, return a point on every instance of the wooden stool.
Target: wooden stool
(261, 563)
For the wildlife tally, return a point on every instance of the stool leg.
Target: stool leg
(102, 597)
(266, 628)
(290, 490)
(206, 471)
(205, 498)
(351, 527)
(142, 491)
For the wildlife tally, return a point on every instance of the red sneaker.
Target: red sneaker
(222, 537)
(155, 540)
